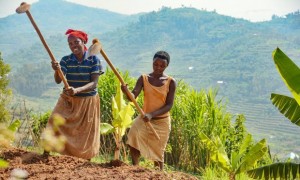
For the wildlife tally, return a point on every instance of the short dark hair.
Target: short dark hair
(162, 55)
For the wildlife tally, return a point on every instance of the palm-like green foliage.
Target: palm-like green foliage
(289, 107)
(290, 74)
(107, 89)
(116, 115)
(122, 112)
(241, 161)
(277, 170)
(122, 118)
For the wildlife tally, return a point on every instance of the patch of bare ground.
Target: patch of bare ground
(39, 167)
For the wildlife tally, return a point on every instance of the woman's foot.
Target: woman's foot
(158, 164)
(135, 155)
(46, 153)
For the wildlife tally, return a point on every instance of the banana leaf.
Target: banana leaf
(106, 128)
(15, 125)
(217, 152)
(280, 170)
(255, 153)
(125, 119)
(122, 113)
(287, 106)
(237, 156)
(289, 72)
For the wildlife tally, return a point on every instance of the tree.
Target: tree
(5, 92)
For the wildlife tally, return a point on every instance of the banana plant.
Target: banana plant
(290, 74)
(241, 161)
(122, 118)
(289, 107)
(279, 170)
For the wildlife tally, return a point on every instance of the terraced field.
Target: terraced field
(265, 121)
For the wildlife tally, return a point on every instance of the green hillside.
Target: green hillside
(205, 48)
(18, 33)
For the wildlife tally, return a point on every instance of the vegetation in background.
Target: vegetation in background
(39, 123)
(7, 133)
(5, 92)
(40, 76)
(49, 140)
(7, 137)
(195, 112)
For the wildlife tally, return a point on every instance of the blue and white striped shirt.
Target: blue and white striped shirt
(79, 74)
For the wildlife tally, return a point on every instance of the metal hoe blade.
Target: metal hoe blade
(95, 48)
(23, 8)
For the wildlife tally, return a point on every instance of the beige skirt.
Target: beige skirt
(81, 129)
(141, 138)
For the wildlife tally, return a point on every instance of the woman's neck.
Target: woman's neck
(157, 76)
(79, 57)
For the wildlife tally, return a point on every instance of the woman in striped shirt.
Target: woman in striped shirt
(79, 105)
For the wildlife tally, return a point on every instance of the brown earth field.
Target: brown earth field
(36, 166)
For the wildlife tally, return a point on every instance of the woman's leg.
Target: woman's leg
(159, 164)
(135, 155)
(46, 153)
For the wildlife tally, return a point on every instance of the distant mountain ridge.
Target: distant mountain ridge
(207, 45)
(203, 45)
(55, 17)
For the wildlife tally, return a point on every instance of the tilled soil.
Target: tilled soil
(39, 167)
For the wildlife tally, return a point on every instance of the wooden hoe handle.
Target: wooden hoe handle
(25, 8)
(127, 92)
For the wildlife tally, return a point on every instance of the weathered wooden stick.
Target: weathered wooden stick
(94, 49)
(24, 7)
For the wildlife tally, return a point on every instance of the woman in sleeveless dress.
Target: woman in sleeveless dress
(159, 91)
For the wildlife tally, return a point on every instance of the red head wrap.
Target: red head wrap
(79, 34)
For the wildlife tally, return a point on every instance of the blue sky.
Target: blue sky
(253, 10)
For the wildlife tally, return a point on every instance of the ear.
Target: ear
(167, 63)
